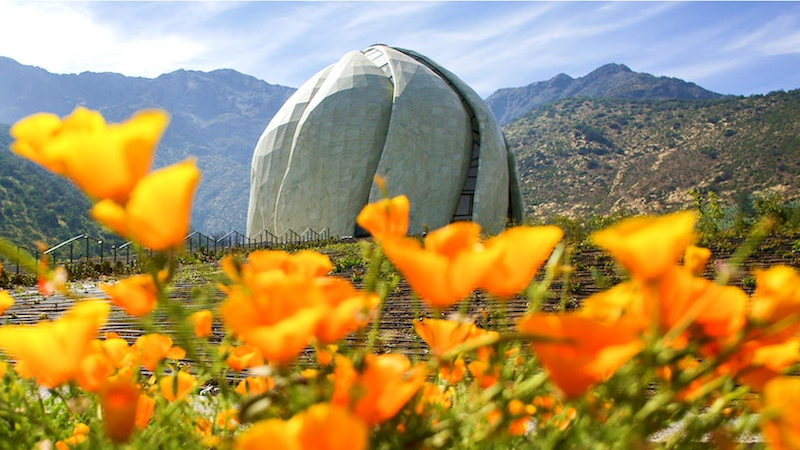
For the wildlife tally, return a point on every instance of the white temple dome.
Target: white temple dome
(390, 112)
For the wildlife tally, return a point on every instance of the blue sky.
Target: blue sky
(740, 48)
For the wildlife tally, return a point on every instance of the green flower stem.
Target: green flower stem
(537, 292)
(758, 233)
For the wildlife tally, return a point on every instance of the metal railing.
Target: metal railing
(83, 248)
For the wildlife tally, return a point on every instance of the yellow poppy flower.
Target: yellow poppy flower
(104, 161)
(648, 246)
(31, 135)
(521, 252)
(385, 218)
(157, 213)
(449, 267)
(51, 352)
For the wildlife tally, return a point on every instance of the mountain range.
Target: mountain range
(572, 136)
(215, 116)
(610, 80)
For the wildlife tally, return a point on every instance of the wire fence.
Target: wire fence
(86, 249)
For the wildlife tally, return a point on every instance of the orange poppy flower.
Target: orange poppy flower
(201, 321)
(137, 294)
(384, 385)
(104, 161)
(756, 363)
(277, 313)
(255, 385)
(154, 347)
(144, 411)
(777, 295)
(6, 301)
(485, 374)
(434, 398)
(346, 309)
(242, 357)
(280, 434)
(177, 386)
(278, 301)
(325, 353)
(695, 259)
(780, 417)
(119, 401)
(118, 352)
(584, 351)
(625, 299)
(648, 246)
(451, 264)
(522, 251)
(157, 213)
(282, 342)
(326, 427)
(443, 335)
(385, 218)
(304, 263)
(52, 352)
(94, 369)
(79, 434)
(715, 310)
(278, 339)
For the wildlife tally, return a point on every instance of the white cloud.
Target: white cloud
(490, 45)
(66, 38)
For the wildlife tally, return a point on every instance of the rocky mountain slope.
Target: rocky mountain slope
(590, 156)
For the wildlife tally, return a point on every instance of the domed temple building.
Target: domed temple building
(390, 112)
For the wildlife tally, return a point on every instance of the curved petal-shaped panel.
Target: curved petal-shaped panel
(336, 149)
(271, 156)
(426, 154)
